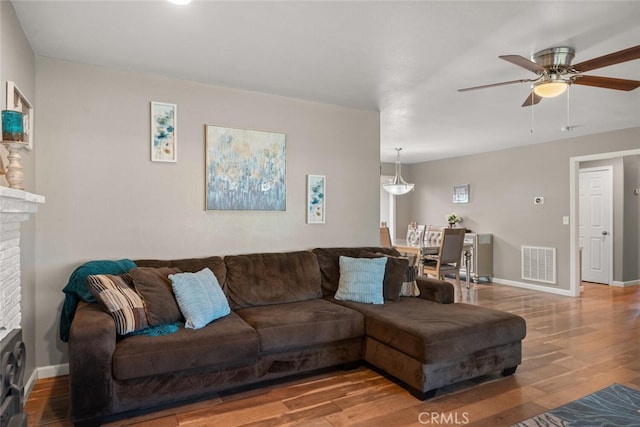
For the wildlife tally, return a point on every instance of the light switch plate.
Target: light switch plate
(565, 220)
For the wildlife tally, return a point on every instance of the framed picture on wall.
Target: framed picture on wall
(245, 169)
(16, 101)
(164, 145)
(461, 193)
(316, 202)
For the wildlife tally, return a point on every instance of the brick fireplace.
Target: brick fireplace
(15, 207)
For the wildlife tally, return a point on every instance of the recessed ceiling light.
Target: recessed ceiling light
(180, 2)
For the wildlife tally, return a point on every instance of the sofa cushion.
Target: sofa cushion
(226, 342)
(191, 265)
(199, 297)
(394, 273)
(154, 287)
(432, 332)
(118, 296)
(271, 278)
(304, 323)
(329, 261)
(361, 279)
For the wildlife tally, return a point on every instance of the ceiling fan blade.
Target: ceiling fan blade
(496, 84)
(523, 62)
(606, 82)
(613, 58)
(531, 100)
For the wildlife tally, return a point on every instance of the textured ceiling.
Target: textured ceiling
(403, 59)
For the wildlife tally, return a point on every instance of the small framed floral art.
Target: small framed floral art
(164, 145)
(316, 202)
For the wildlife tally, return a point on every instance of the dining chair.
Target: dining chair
(432, 239)
(449, 256)
(409, 286)
(385, 237)
(415, 233)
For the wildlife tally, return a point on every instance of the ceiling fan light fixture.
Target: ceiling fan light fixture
(550, 89)
(398, 186)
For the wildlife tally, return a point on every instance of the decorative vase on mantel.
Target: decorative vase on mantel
(13, 140)
(14, 174)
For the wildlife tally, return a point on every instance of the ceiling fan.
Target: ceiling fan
(555, 72)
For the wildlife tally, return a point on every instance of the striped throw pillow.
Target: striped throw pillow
(118, 296)
(361, 280)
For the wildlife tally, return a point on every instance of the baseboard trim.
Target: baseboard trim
(531, 286)
(625, 284)
(53, 371)
(31, 382)
(43, 372)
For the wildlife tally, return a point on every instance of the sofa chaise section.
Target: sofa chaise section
(429, 345)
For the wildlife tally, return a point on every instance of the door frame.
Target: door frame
(392, 205)
(574, 169)
(609, 255)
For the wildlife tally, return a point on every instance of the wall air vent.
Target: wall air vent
(539, 264)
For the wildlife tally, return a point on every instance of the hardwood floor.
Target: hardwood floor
(574, 346)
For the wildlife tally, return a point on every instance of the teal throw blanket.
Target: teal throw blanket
(160, 330)
(77, 290)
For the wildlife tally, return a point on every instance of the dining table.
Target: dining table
(405, 247)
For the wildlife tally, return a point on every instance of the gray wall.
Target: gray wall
(503, 185)
(17, 64)
(631, 253)
(106, 199)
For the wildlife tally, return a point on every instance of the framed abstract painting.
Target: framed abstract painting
(245, 169)
(164, 146)
(316, 203)
(461, 193)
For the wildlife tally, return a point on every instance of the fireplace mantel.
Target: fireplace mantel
(15, 207)
(12, 200)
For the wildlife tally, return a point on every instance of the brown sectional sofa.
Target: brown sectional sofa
(284, 321)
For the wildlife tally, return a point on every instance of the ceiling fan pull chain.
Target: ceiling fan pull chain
(532, 108)
(568, 128)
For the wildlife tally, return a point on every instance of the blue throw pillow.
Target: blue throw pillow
(199, 297)
(361, 279)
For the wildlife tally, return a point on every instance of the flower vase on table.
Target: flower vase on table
(453, 219)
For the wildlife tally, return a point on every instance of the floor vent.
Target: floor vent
(539, 264)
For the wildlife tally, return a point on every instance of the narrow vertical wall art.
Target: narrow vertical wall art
(316, 202)
(164, 146)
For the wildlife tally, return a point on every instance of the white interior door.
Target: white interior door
(596, 212)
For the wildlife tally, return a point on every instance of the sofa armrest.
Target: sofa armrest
(92, 341)
(435, 290)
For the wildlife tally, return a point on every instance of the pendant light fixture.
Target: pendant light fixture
(399, 186)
